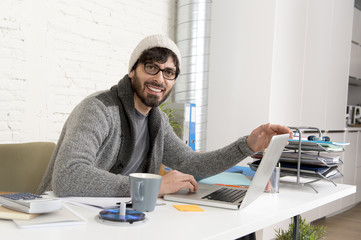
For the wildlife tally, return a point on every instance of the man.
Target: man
(113, 133)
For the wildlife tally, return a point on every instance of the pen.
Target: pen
(122, 210)
(129, 204)
(167, 169)
(236, 186)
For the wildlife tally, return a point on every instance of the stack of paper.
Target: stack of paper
(308, 145)
(305, 158)
(306, 170)
(317, 159)
(65, 216)
(311, 159)
(6, 213)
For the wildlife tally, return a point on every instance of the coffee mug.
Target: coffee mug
(144, 189)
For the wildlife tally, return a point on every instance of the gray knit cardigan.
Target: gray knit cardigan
(97, 141)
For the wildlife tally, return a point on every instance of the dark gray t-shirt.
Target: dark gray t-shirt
(141, 144)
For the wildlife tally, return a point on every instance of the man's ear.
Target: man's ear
(131, 73)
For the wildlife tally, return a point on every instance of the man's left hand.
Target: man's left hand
(261, 136)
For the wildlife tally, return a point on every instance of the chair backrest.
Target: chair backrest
(22, 165)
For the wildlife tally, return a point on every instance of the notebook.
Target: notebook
(236, 198)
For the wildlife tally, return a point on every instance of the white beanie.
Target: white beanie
(151, 41)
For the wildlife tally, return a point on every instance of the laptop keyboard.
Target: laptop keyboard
(226, 194)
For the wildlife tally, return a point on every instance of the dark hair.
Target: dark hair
(157, 54)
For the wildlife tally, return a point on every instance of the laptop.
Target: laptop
(231, 197)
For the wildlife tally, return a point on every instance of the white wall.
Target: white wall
(277, 61)
(241, 53)
(55, 53)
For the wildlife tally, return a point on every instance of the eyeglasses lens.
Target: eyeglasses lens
(153, 69)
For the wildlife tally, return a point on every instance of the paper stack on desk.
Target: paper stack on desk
(6, 213)
(308, 145)
(318, 159)
(64, 217)
(312, 159)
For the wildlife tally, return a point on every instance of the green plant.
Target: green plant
(307, 231)
(177, 128)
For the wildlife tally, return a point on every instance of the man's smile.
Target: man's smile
(154, 88)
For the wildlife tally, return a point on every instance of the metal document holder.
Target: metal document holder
(317, 176)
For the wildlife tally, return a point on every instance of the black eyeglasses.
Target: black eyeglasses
(153, 69)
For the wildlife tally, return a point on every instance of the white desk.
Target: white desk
(168, 223)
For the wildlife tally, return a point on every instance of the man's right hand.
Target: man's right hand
(175, 181)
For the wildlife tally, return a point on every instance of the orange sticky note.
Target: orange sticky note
(188, 208)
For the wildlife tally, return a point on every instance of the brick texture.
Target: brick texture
(53, 53)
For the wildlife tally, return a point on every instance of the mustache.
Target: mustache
(159, 85)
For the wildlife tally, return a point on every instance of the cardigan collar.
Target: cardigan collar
(125, 95)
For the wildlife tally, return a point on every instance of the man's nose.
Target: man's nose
(159, 77)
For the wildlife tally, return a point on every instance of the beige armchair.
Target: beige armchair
(22, 165)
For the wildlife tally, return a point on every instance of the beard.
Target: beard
(149, 100)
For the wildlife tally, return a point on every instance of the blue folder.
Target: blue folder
(228, 178)
(242, 169)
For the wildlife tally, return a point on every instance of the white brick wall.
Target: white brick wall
(53, 53)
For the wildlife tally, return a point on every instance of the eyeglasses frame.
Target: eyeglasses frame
(159, 70)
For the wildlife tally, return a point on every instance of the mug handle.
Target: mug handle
(138, 196)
